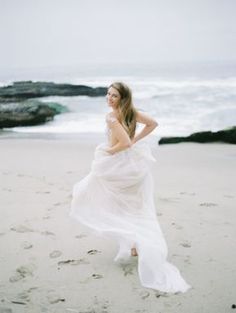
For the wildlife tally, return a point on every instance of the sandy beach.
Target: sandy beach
(50, 263)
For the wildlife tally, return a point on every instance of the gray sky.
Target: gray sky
(67, 32)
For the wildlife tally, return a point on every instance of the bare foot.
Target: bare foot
(134, 252)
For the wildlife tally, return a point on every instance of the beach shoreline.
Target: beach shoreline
(51, 263)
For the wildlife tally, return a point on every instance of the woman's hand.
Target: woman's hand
(119, 147)
(150, 125)
(109, 150)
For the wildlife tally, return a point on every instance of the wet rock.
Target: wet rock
(28, 113)
(23, 90)
(225, 135)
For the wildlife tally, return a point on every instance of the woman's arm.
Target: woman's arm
(120, 134)
(150, 125)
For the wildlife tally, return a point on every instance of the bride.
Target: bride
(116, 198)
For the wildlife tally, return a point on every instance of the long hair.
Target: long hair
(126, 110)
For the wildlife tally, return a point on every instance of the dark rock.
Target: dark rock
(23, 90)
(28, 113)
(225, 135)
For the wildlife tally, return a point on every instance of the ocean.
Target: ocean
(182, 98)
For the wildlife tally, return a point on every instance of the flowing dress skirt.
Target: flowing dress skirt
(116, 199)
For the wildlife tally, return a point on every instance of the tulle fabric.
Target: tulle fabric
(116, 199)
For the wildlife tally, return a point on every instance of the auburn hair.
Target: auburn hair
(126, 111)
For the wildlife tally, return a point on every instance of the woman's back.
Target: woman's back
(111, 119)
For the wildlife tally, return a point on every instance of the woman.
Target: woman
(116, 197)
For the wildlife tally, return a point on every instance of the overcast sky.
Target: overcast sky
(67, 32)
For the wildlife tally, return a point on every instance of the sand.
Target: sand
(50, 263)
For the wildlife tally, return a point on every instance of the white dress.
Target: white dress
(116, 199)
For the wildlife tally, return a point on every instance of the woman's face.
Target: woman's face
(113, 97)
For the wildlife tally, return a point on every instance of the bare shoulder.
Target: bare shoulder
(111, 119)
(145, 118)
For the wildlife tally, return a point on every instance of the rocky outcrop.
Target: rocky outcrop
(28, 113)
(225, 135)
(22, 90)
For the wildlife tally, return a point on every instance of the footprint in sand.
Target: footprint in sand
(159, 294)
(186, 244)
(91, 252)
(187, 193)
(144, 294)
(20, 175)
(208, 204)
(171, 199)
(187, 259)
(46, 217)
(22, 272)
(7, 189)
(26, 245)
(80, 236)
(55, 254)
(21, 229)
(99, 306)
(177, 226)
(88, 279)
(127, 269)
(73, 262)
(52, 299)
(229, 196)
(43, 192)
(24, 296)
(18, 302)
(97, 276)
(5, 173)
(47, 233)
(57, 204)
